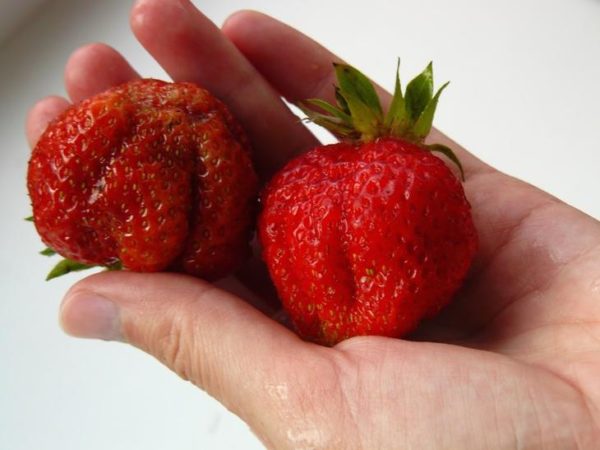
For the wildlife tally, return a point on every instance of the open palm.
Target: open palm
(514, 362)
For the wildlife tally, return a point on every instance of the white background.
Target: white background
(525, 97)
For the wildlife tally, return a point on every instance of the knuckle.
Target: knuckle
(182, 345)
(175, 349)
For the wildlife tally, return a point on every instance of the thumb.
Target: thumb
(204, 334)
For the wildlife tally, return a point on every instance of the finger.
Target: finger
(41, 114)
(191, 48)
(300, 68)
(304, 69)
(94, 68)
(204, 334)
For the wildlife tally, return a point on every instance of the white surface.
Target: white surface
(13, 13)
(524, 96)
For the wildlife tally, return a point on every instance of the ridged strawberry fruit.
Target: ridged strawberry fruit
(373, 234)
(148, 176)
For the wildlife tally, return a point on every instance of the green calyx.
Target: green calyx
(358, 114)
(66, 265)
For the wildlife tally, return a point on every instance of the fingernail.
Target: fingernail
(89, 315)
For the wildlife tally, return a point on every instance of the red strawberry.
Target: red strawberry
(371, 235)
(148, 175)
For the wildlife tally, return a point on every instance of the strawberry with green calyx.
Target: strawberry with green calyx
(359, 115)
(373, 234)
(66, 265)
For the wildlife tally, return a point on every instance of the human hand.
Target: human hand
(513, 362)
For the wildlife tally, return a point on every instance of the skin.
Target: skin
(514, 362)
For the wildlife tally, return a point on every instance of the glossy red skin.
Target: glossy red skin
(365, 239)
(153, 174)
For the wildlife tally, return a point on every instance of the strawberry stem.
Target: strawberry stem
(66, 266)
(47, 252)
(357, 114)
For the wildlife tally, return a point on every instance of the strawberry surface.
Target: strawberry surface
(149, 175)
(366, 239)
(373, 234)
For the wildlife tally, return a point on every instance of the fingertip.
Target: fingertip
(41, 114)
(137, 15)
(75, 69)
(146, 14)
(93, 68)
(86, 314)
(239, 19)
(93, 306)
(248, 29)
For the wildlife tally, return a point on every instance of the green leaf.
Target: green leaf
(358, 113)
(333, 124)
(330, 109)
(48, 252)
(341, 101)
(66, 266)
(361, 98)
(423, 124)
(352, 81)
(448, 153)
(396, 120)
(419, 92)
(29, 219)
